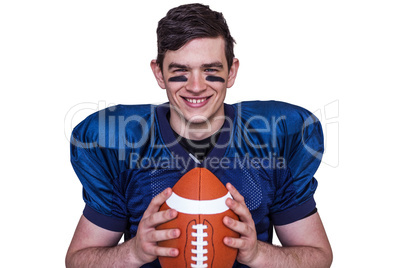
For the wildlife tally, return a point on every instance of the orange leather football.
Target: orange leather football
(199, 197)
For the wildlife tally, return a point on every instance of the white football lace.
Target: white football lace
(199, 251)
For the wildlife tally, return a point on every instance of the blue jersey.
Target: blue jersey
(127, 154)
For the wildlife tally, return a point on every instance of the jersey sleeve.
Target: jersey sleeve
(296, 184)
(97, 168)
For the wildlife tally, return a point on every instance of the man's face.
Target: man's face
(195, 78)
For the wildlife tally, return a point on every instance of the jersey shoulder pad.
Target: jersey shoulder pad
(113, 127)
(279, 114)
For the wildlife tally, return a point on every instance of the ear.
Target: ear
(233, 72)
(158, 74)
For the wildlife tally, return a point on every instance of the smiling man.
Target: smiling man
(266, 153)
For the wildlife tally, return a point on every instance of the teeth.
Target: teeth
(196, 100)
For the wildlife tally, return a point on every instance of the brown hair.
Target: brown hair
(187, 22)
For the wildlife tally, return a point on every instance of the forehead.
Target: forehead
(198, 52)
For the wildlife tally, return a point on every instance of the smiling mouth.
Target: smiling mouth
(198, 100)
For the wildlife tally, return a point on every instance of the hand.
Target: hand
(145, 242)
(247, 242)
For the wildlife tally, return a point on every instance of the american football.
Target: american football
(199, 197)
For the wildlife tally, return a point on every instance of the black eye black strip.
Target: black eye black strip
(180, 78)
(212, 78)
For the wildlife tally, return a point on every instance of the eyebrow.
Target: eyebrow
(174, 65)
(215, 64)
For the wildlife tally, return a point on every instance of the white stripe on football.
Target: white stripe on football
(205, 207)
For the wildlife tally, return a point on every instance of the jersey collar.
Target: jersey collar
(177, 150)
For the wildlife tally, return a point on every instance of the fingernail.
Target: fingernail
(166, 192)
(228, 240)
(229, 220)
(172, 213)
(174, 252)
(175, 233)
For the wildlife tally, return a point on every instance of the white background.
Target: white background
(60, 59)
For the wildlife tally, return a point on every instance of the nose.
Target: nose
(196, 82)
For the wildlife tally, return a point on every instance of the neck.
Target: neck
(196, 130)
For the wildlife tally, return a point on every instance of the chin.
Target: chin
(197, 119)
